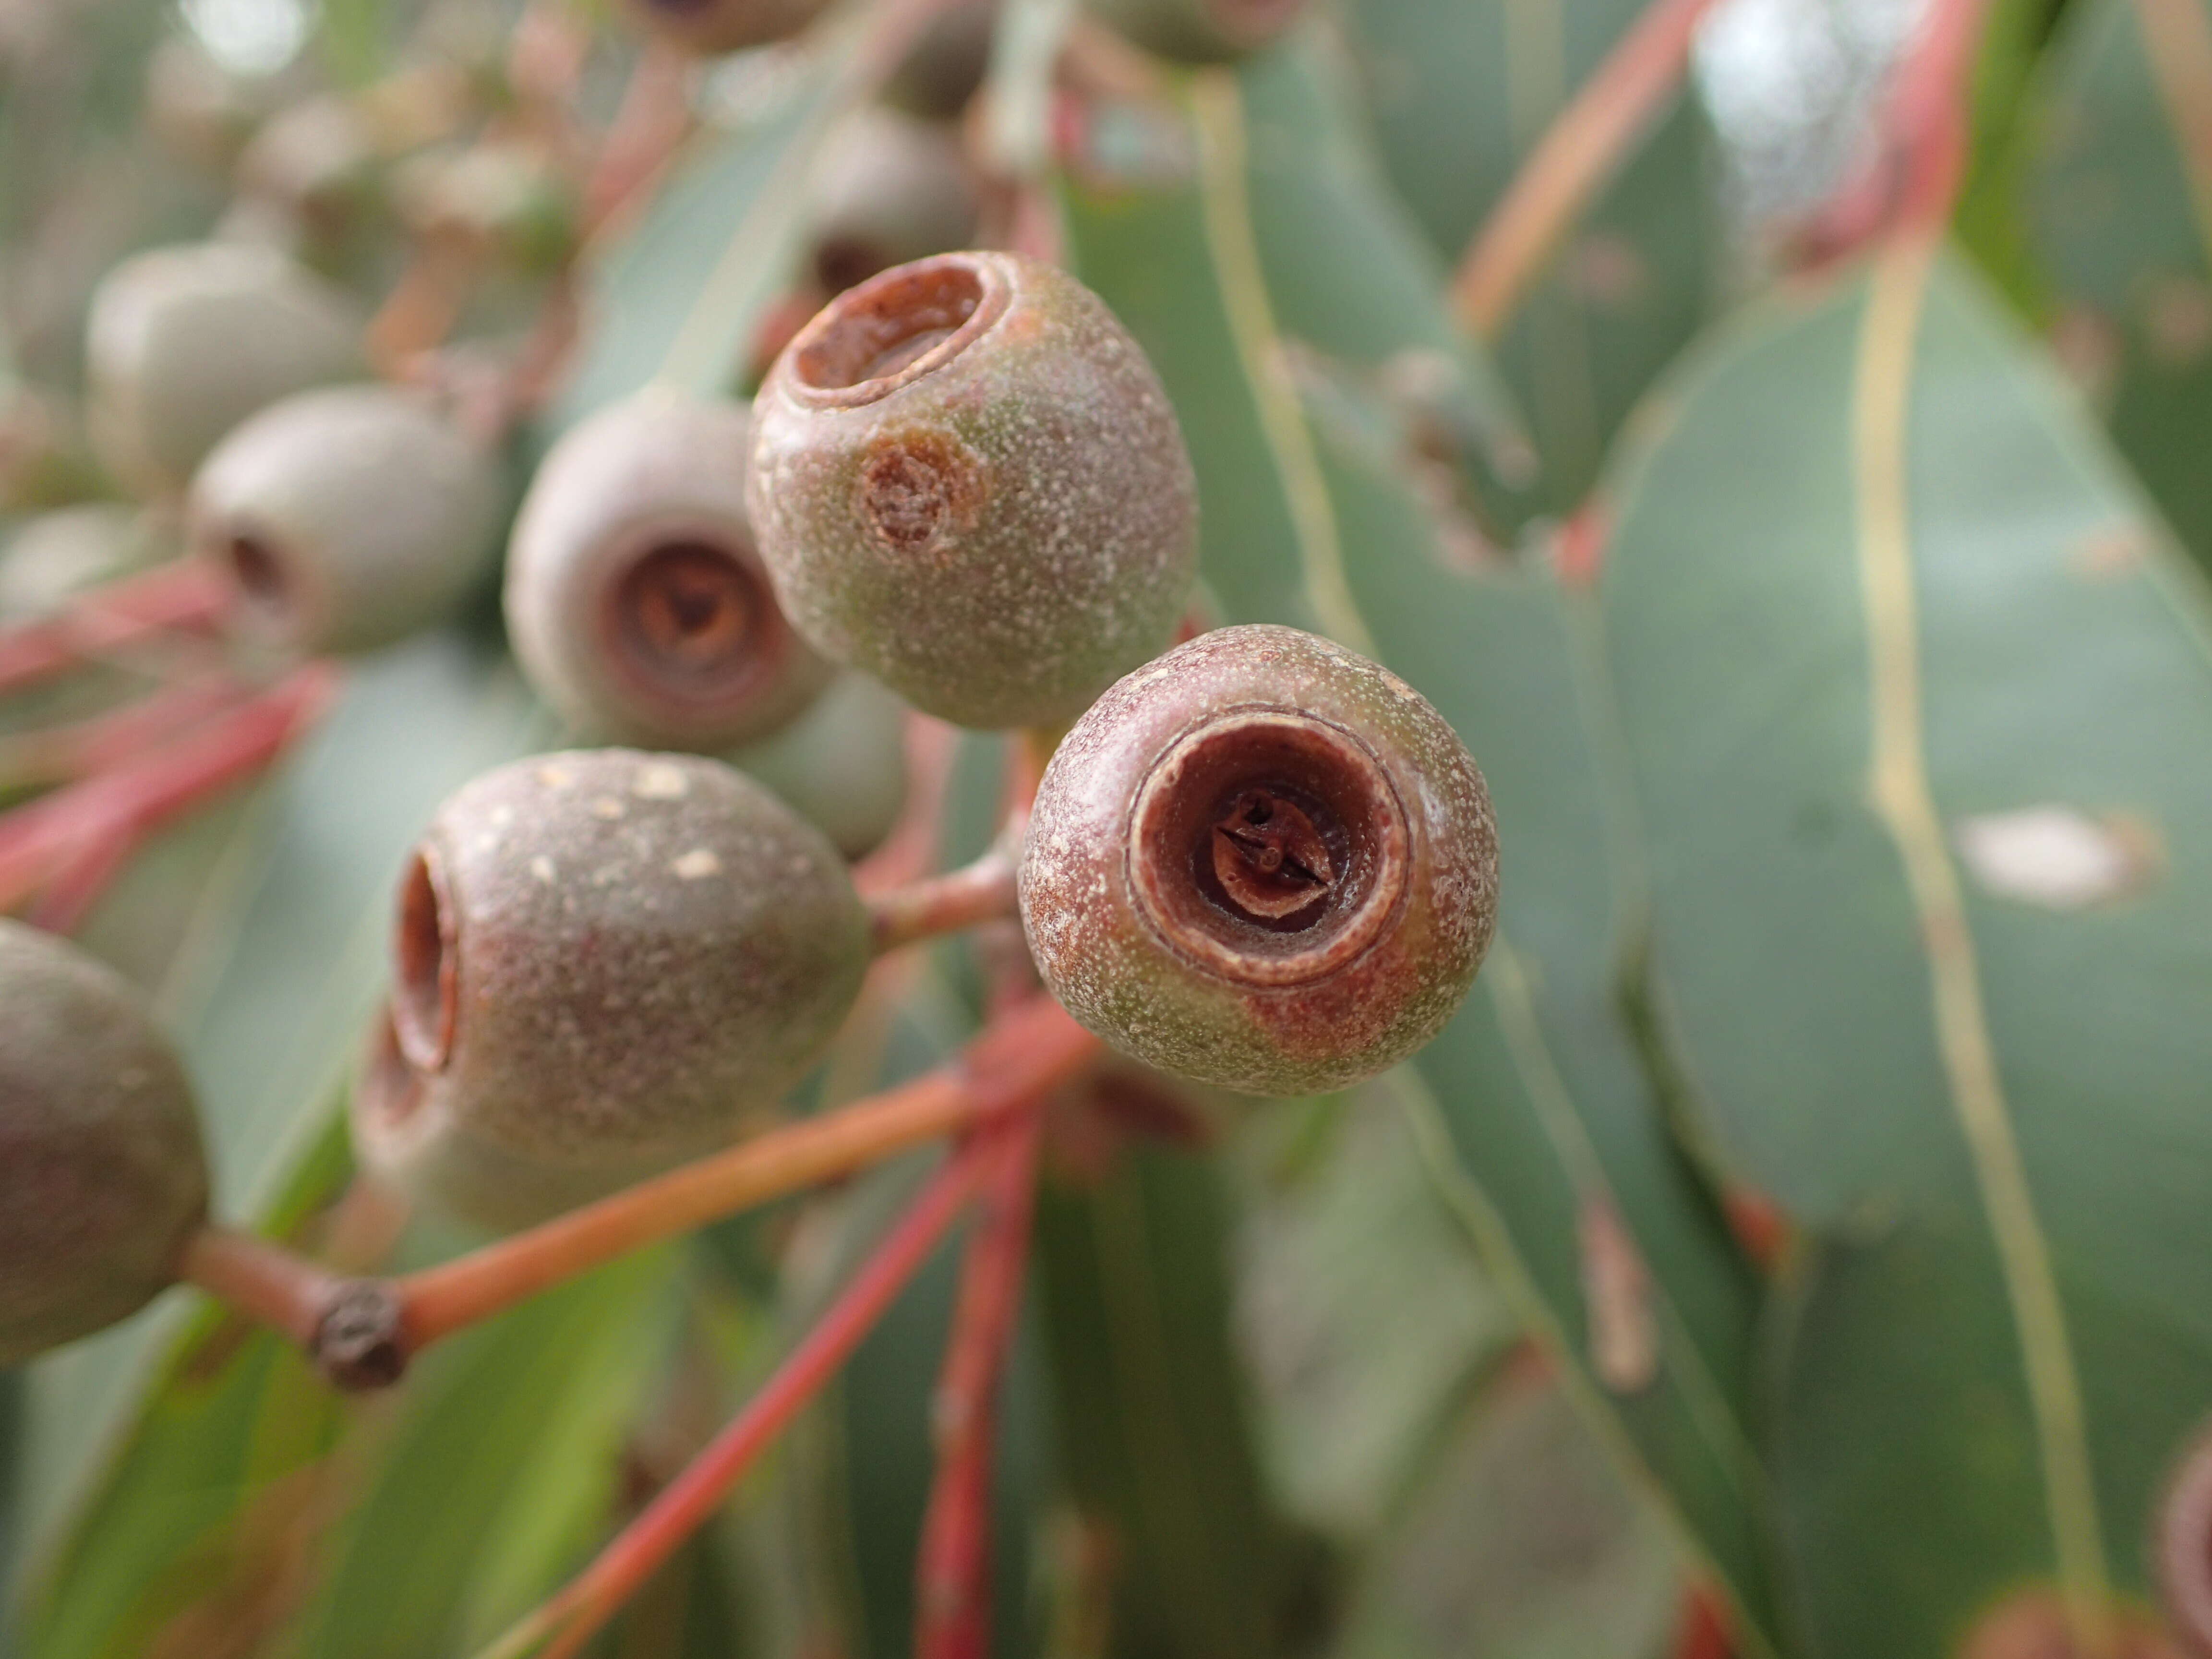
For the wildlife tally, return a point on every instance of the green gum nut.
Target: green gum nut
(637, 601)
(967, 482)
(1197, 31)
(1262, 862)
(182, 343)
(710, 27)
(102, 1177)
(890, 188)
(606, 961)
(347, 519)
(840, 765)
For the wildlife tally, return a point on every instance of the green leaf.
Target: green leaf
(492, 1472)
(268, 993)
(1154, 1434)
(682, 296)
(1536, 1101)
(1918, 706)
(1521, 1541)
(2120, 205)
(1462, 91)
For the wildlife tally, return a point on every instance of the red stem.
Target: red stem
(183, 594)
(61, 754)
(39, 839)
(577, 1612)
(952, 1574)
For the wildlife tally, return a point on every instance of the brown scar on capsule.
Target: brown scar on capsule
(915, 486)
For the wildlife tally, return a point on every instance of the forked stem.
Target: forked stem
(138, 795)
(1577, 156)
(1018, 1058)
(179, 595)
(952, 1572)
(567, 1622)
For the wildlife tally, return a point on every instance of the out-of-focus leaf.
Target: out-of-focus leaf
(1535, 1101)
(2121, 205)
(1520, 1542)
(1462, 90)
(1361, 1312)
(1918, 703)
(682, 294)
(1172, 1530)
(491, 1472)
(268, 993)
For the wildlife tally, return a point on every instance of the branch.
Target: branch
(979, 892)
(184, 593)
(571, 1618)
(1011, 1063)
(1576, 158)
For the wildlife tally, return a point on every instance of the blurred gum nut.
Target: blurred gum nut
(102, 1176)
(347, 519)
(1263, 862)
(713, 27)
(1197, 31)
(890, 189)
(840, 765)
(938, 77)
(637, 603)
(967, 482)
(606, 962)
(182, 343)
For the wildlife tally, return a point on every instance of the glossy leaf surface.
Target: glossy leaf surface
(1919, 712)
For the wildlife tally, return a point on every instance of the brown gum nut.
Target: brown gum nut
(182, 343)
(637, 601)
(713, 27)
(606, 961)
(346, 518)
(1261, 861)
(967, 482)
(102, 1176)
(1198, 31)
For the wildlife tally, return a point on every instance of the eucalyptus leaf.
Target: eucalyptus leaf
(1916, 697)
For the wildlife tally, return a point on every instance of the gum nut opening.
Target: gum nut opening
(426, 989)
(690, 621)
(895, 328)
(266, 584)
(389, 1093)
(1268, 846)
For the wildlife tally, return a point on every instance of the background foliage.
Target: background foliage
(1807, 1211)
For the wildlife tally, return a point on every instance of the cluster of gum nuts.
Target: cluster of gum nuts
(1256, 861)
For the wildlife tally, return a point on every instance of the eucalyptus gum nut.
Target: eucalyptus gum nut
(635, 599)
(182, 343)
(1262, 862)
(1197, 31)
(936, 78)
(840, 765)
(967, 482)
(889, 188)
(713, 27)
(606, 958)
(102, 1176)
(348, 518)
(406, 1132)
